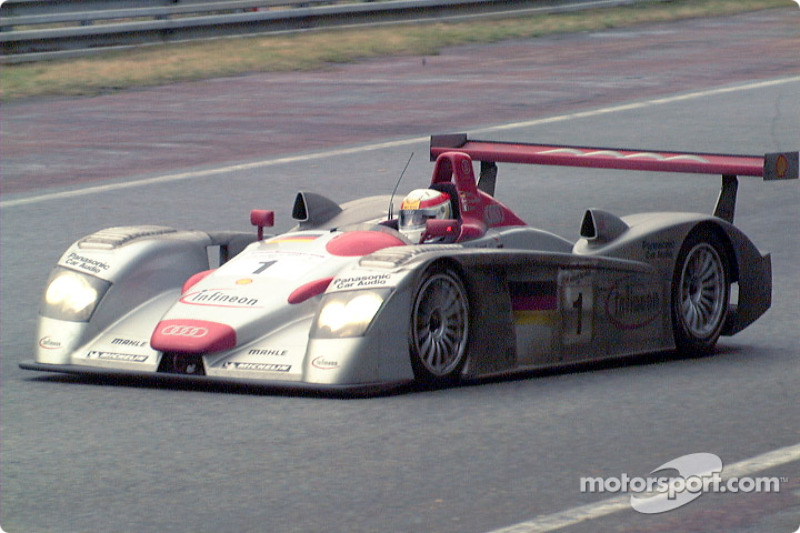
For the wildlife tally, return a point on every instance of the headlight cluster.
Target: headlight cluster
(348, 314)
(71, 295)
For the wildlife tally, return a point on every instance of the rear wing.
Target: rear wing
(775, 166)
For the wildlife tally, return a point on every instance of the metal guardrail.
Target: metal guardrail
(33, 30)
(31, 12)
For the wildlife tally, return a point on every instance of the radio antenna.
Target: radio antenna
(391, 200)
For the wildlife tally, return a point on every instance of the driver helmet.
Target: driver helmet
(419, 206)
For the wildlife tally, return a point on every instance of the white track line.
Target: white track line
(576, 515)
(168, 178)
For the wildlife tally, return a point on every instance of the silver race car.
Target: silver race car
(454, 286)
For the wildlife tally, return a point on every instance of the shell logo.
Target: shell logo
(781, 166)
(410, 204)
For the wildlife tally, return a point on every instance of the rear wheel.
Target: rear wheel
(439, 326)
(700, 292)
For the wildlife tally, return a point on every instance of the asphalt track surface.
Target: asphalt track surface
(80, 455)
(91, 140)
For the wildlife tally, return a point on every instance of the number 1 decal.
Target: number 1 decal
(578, 306)
(576, 298)
(264, 265)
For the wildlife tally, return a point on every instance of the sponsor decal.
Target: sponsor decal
(259, 367)
(122, 357)
(631, 306)
(49, 344)
(469, 201)
(324, 364)
(129, 342)
(86, 263)
(658, 249)
(493, 215)
(192, 336)
(219, 298)
(466, 167)
(782, 164)
(410, 203)
(275, 264)
(268, 351)
(177, 330)
(360, 282)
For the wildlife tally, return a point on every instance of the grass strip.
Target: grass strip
(170, 63)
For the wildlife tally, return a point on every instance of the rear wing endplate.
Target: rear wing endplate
(775, 166)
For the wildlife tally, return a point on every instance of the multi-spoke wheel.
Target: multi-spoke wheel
(700, 290)
(439, 326)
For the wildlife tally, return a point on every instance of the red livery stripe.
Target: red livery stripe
(535, 302)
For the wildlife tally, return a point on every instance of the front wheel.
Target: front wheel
(700, 292)
(439, 326)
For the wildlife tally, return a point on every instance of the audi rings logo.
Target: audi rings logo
(176, 330)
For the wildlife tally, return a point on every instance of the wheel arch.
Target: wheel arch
(751, 270)
(491, 346)
(747, 267)
(429, 364)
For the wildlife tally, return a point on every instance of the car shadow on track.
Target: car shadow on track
(199, 384)
(630, 361)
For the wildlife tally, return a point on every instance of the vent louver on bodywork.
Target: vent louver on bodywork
(394, 257)
(110, 238)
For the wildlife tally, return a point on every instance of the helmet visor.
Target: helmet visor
(416, 218)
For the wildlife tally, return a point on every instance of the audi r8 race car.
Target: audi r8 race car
(452, 286)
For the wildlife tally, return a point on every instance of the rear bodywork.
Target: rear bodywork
(328, 304)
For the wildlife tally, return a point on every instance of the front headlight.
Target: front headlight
(72, 295)
(348, 314)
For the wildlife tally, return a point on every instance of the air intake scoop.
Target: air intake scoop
(601, 226)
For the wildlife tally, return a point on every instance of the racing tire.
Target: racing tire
(439, 327)
(700, 293)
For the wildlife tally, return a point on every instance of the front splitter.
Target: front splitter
(350, 389)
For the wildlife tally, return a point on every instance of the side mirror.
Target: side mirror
(262, 218)
(447, 230)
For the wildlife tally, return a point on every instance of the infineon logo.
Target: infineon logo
(631, 306)
(49, 344)
(219, 298)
